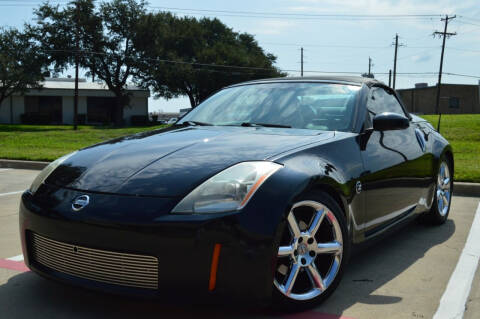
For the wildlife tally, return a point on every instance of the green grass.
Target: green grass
(463, 132)
(48, 142)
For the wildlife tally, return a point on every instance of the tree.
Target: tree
(187, 56)
(21, 63)
(105, 35)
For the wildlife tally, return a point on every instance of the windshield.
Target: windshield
(315, 106)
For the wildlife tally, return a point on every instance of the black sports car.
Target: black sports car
(259, 192)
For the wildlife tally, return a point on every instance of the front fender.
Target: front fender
(441, 147)
(334, 167)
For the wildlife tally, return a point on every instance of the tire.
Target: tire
(309, 268)
(442, 197)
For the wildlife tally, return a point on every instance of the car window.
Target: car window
(316, 106)
(381, 101)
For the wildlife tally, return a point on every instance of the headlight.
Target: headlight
(46, 171)
(229, 190)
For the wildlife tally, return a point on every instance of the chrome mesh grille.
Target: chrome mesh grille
(94, 264)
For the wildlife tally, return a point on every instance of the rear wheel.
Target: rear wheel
(312, 254)
(438, 214)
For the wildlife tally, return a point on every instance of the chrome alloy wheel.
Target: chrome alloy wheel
(309, 260)
(444, 187)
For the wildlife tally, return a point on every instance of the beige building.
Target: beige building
(54, 104)
(454, 99)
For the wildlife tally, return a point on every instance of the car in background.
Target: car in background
(172, 120)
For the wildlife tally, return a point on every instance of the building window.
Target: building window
(43, 109)
(454, 102)
(100, 110)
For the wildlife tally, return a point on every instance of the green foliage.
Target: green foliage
(196, 45)
(56, 29)
(48, 142)
(105, 36)
(42, 142)
(21, 63)
(119, 41)
(463, 132)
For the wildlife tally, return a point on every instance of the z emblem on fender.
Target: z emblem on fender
(358, 187)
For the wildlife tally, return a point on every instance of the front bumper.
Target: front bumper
(184, 245)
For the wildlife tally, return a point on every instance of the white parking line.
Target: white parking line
(454, 299)
(4, 169)
(11, 193)
(16, 258)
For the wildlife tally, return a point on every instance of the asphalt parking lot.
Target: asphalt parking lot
(403, 276)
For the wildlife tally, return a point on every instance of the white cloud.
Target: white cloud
(421, 58)
(386, 7)
(379, 6)
(272, 27)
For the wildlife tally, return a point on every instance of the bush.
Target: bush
(35, 118)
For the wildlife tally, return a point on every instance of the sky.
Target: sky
(333, 43)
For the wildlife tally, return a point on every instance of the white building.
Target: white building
(54, 103)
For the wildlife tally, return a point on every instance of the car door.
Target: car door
(395, 167)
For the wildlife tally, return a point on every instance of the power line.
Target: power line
(326, 45)
(305, 19)
(16, 2)
(462, 75)
(468, 18)
(29, 3)
(301, 14)
(263, 13)
(460, 49)
(293, 16)
(259, 68)
(469, 23)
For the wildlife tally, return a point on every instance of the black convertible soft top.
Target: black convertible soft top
(350, 79)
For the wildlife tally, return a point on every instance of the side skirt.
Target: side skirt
(383, 227)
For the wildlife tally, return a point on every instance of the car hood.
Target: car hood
(171, 162)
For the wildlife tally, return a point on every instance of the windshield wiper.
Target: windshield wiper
(195, 123)
(248, 124)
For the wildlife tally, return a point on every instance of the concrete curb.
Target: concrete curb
(4, 163)
(460, 188)
(466, 189)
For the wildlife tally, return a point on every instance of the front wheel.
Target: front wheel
(438, 214)
(312, 254)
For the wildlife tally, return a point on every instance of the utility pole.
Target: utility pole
(11, 109)
(77, 48)
(301, 62)
(443, 34)
(389, 78)
(369, 66)
(395, 60)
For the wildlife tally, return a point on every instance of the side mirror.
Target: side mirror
(390, 121)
